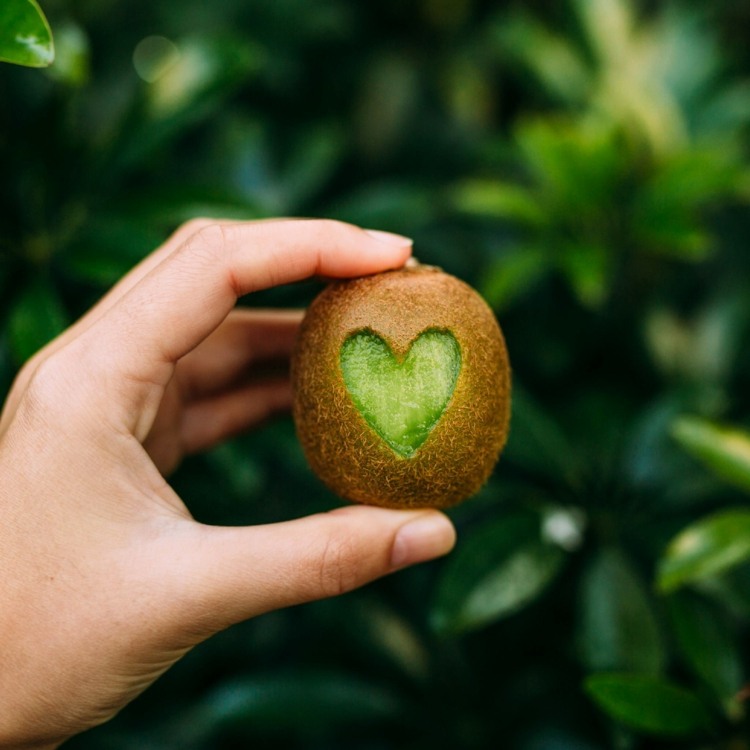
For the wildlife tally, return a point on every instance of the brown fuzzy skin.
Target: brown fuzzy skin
(344, 451)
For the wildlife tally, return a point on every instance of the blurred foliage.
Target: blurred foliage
(582, 163)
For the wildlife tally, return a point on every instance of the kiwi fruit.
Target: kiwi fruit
(401, 388)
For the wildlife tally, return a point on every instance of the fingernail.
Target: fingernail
(428, 536)
(389, 237)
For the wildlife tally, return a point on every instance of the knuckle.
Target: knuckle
(25, 374)
(323, 231)
(212, 235)
(339, 566)
(333, 228)
(185, 231)
(192, 227)
(211, 249)
(209, 243)
(45, 387)
(196, 224)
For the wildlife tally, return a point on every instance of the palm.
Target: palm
(216, 390)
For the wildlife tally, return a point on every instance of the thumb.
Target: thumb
(245, 571)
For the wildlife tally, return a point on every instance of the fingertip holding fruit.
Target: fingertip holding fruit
(389, 238)
(426, 537)
(401, 387)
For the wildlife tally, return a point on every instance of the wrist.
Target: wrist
(18, 734)
(13, 741)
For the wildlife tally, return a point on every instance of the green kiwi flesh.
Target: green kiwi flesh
(401, 400)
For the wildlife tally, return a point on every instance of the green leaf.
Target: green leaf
(576, 166)
(674, 234)
(618, 627)
(587, 268)
(709, 646)
(206, 70)
(498, 200)
(397, 206)
(310, 165)
(549, 57)
(724, 450)
(730, 590)
(466, 89)
(537, 443)
(109, 246)
(303, 702)
(169, 205)
(204, 67)
(649, 705)
(706, 548)
(701, 349)
(728, 110)
(667, 208)
(243, 472)
(609, 26)
(511, 276)
(35, 319)
(25, 36)
(388, 96)
(495, 572)
(688, 58)
(382, 637)
(694, 178)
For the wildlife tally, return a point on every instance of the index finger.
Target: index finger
(184, 298)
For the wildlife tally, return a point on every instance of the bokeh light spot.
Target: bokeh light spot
(154, 56)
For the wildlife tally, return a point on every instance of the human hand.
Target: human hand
(106, 578)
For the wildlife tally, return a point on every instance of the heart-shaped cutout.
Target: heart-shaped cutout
(401, 400)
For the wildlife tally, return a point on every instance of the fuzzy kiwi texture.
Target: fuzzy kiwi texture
(401, 389)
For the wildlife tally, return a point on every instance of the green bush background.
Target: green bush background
(585, 165)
